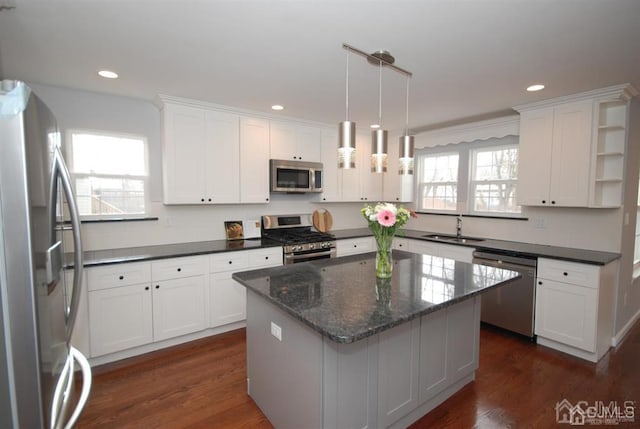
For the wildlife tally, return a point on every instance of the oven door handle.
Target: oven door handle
(290, 257)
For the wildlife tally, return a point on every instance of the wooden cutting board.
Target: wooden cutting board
(322, 220)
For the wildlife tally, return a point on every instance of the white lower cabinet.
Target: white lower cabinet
(354, 246)
(178, 307)
(228, 298)
(574, 307)
(135, 304)
(120, 318)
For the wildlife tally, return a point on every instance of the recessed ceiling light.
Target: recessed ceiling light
(277, 107)
(536, 87)
(108, 74)
(374, 126)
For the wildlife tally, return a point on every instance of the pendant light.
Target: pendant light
(379, 136)
(406, 145)
(347, 134)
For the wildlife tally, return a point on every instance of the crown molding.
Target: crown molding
(623, 92)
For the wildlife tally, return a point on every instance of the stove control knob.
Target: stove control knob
(297, 248)
(312, 246)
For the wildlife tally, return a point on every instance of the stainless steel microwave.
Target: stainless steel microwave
(295, 176)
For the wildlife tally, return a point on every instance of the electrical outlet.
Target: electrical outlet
(276, 331)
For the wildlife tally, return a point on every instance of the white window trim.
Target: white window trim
(145, 178)
(473, 183)
(464, 184)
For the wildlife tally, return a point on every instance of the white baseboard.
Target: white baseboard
(625, 329)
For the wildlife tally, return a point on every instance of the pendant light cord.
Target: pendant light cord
(406, 124)
(380, 97)
(347, 90)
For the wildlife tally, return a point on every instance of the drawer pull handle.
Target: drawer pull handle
(565, 273)
(121, 277)
(539, 283)
(230, 262)
(179, 269)
(157, 286)
(266, 257)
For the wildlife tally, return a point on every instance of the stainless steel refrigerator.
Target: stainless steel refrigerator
(39, 369)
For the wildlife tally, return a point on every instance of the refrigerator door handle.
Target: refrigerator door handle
(78, 262)
(86, 386)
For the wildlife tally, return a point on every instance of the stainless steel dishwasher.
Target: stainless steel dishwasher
(511, 306)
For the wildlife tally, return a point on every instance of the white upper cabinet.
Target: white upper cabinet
(349, 185)
(572, 149)
(555, 154)
(254, 160)
(396, 188)
(360, 184)
(294, 141)
(201, 155)
(331, 174)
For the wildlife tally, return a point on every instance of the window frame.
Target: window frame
(144, 178)
(472, 183)
(465, 151)
(420, 185)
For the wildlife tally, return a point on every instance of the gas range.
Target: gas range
(300, 242)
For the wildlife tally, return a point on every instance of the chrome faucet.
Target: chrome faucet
(459, 226)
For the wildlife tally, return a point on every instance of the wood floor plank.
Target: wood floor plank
(203, 385)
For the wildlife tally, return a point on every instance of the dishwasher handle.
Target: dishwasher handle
(491, 258)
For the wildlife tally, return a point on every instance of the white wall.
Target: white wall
(628, 299)
(176, 224)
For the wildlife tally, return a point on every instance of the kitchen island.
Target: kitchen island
(331, 346)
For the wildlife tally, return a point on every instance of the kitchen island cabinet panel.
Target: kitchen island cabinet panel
(398, 369)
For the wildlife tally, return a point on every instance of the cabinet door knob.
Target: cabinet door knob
(179, 269)
(553, 202)
(209, 199)
(230, 262)
(157, 286)
(146, 288)
(544, 201)
(266, 257)
(121, 277)
(266, 199)
(539, 283)
(202, 199)
(565, 273)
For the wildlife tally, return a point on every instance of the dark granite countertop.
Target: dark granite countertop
(342, 299)
(146, 253)
(509, 247)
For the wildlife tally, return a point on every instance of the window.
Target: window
(110, 174)
(494, 180)
(439, 182)
(474, 177)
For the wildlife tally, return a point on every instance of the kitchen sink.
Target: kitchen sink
(453, 238)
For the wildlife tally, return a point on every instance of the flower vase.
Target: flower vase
(384, 262)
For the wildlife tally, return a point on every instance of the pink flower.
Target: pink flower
(386, 217)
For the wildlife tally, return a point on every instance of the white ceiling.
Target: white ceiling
(469, 58)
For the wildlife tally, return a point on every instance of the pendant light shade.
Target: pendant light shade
(379, 151)
(347, 145)
(406, 150)
(379, 137)
(407, 144)
(347, 133)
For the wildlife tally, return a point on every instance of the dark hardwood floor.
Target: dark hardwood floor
(203, 385)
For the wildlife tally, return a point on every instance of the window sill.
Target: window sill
(482, 216)
(118, 219)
